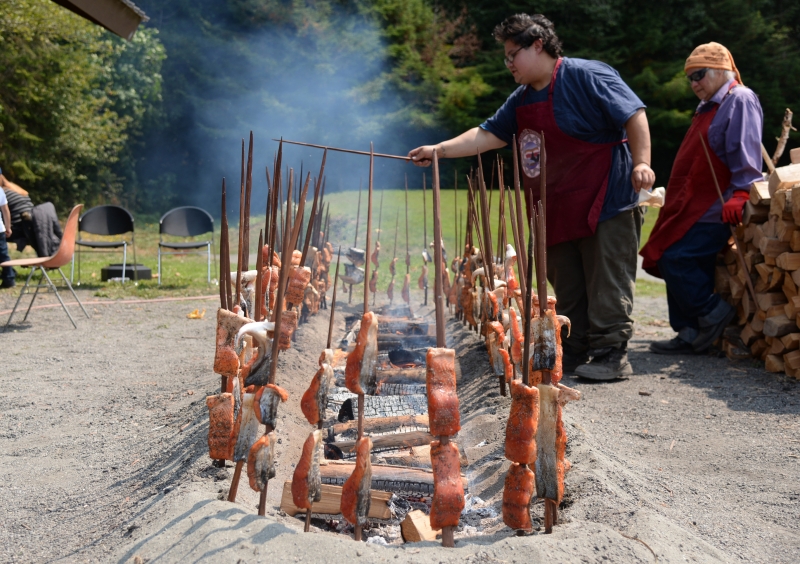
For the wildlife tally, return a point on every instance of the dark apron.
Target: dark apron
(690, 191)
(576, 175)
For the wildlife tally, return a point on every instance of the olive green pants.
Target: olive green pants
(594, 280)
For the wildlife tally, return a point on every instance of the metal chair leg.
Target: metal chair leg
(21, 292)
(124, 260)
(55, 291)
(208, 248)
(74, 294)
(35, 295)
(159, 265)
(72, 268)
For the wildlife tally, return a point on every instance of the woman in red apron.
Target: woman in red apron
(692, 226)
(584, 110)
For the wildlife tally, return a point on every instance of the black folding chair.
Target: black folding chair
(108, 221)
(187, 221)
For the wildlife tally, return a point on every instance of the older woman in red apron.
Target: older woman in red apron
(598, 158)
(691, 228)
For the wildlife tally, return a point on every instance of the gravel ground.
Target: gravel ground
(692, 458)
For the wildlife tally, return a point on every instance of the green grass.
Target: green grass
(186, 275)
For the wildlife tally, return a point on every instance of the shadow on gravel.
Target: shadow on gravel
(743, 385)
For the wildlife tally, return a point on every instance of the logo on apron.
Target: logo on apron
(530, 143)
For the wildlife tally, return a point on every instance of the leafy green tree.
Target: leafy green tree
(72, 101)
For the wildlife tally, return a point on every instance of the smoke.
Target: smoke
(319, 77)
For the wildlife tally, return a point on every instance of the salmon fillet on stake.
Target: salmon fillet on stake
(261, 462)
(249, 430)
(306, 481)
(522, 423)
(226, 361)
(355, 492)
(517, 494)
(443, 413)
(359, 372)
(315, 399)
(220, 426)
(448, 490)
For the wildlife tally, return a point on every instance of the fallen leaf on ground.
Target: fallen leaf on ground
(196, 314)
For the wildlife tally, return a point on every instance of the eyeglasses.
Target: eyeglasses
(509, 59)
(697, 75)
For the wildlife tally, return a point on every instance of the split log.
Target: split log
(781, 205)
(752, 258)
(784, 178)
(396, 440)
(759, 193)
(416, 527)
(735, 352)
(759, 348)
(791, 341)
(786, 127)
(750, 335)
(788, 261)
(402, 375)
(777, 347)
(736, 287)
(774, 363)
(405, 326)
(764, 271)
(754, 214)
(794, 242)
(792, 360)
(385, 477)
(383, 424)
(789, 287)
(332, 499)
(776, 310)
(767, 300)
(786, 229)
(758, 322)
(779, 326)
(772, 247)
(794, 155)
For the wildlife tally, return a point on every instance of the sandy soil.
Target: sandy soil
(103, 453)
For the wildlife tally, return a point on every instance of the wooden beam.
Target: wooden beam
(386, 477)
(395, 440)
(331, 502)
(383, 424)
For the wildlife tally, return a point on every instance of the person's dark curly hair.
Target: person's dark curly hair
(524, 29)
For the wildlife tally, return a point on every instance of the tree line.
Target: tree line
(156, 122)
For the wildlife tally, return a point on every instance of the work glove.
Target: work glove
(732, 209)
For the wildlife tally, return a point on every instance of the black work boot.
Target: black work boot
(713, 325)
(570, 362)
(607, 363)
(680, 344)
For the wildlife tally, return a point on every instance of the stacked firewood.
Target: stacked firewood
(770, 239)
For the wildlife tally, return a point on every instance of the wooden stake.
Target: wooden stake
(424, 234)
(333, 299)
(351, 151)
(527, 301)
(369, 232)
(521, 252)
(312, 217)
(438, 291)
(742, 262)
(408, 254)
(248, 189)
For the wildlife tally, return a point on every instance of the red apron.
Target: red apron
(577, 171)
(690, 191)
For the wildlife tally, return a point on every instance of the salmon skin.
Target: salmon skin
(422, 281)
(256, 372)
(269, 282)
(393, 267)
(359, 373)
(543, 334)
(551, 442)
(448, 491)
(373, 281)
(494, 341)
(288, 327)
(235, 389)
(298, 280)
(522, 423)
(440, 380)
(375, 254)
(390, 289)
(517, 337)
(355, 492)
(315, 399)
(261, 462)
(226, 361)
(266, 403)
(406, 292)
(249, 429)
(220, 426)
(517, 494)
(306, 481)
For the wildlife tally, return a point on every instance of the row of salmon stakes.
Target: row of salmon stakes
(483, 296)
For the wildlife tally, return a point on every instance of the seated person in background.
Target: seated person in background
(8, 274)
(36, 226)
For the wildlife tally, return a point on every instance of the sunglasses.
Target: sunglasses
(697, 75)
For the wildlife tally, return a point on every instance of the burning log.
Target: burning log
(331, 500)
